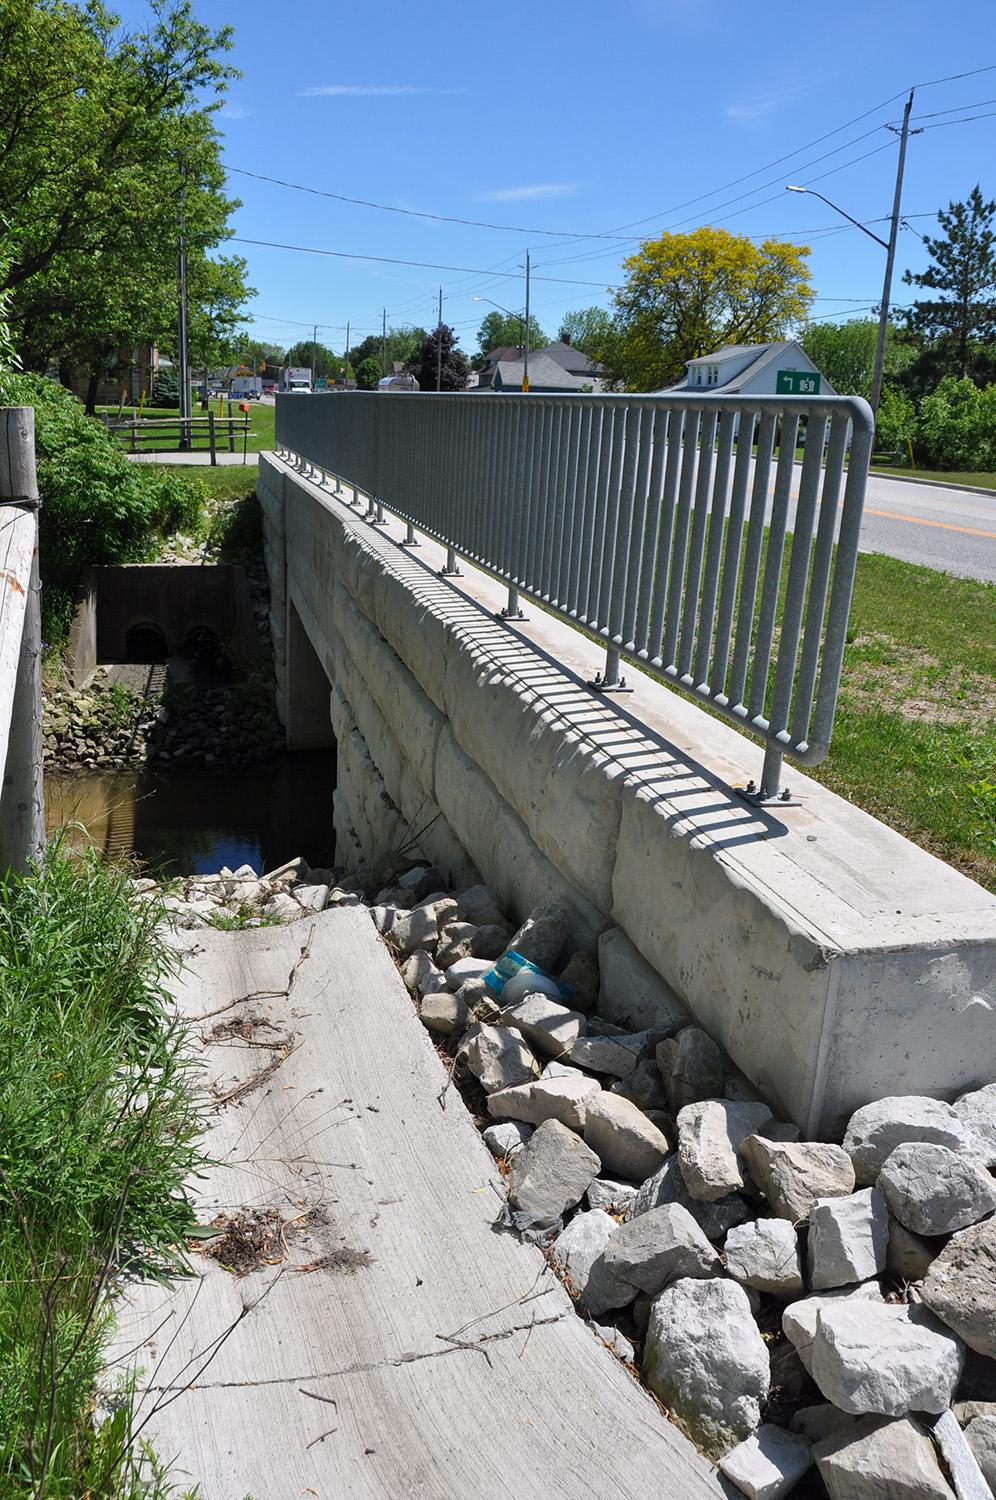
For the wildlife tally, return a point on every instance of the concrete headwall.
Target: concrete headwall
(833, 959)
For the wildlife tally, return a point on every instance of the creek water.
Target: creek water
(191, 822)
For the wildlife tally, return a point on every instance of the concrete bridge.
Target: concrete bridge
(832, 958)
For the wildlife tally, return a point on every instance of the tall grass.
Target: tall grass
(98, 1132)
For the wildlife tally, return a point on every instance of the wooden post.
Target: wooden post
(231, 430)
(214, 455)
(22, 808)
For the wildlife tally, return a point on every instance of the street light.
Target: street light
(889, 246)
(508, 313)
(524, 322)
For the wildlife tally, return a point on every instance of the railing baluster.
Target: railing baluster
(629, 516)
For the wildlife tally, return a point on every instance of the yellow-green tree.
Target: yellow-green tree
(686, 294)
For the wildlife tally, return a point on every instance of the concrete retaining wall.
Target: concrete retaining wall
(833, 959)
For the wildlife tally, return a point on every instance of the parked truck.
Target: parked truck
(246, 387)
(295, 378)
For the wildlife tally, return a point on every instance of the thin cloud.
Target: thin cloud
(233, 111)
(755, 111)
(369, 91)
(529, 193)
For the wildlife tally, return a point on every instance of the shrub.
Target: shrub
(957, 427)
(98, 506)
(895, 425)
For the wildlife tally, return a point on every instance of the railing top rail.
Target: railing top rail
(679, 528)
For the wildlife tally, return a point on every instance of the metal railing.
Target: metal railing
(679, 530)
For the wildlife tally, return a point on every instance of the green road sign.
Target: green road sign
(797, 383)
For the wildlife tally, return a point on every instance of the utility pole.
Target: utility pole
(184, 352)
(439, 344)
(525, 341)
(383, 343)
(314, 352)
(904, 133)
(345, 358)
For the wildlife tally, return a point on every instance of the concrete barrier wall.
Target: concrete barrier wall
(833, 959)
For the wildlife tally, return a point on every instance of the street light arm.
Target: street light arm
(843, 212)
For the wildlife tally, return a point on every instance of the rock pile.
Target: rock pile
(104, 724)
(819, 1317)
(241, 898)
(805, 1309)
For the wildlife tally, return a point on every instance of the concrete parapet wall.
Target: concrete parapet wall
(833, 959)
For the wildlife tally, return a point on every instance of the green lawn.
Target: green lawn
(981, 481)
(261, 420)
(915, 738)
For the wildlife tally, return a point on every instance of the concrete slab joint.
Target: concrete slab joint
(832, 959)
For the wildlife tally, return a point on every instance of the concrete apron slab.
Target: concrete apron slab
(451, 1364)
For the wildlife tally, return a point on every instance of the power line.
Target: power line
(392, 260)
(415, 213)
(933, 115)
(966, 121)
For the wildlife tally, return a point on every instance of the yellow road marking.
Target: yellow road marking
(891, 515)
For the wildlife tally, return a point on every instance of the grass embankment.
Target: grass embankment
(97, 1135)
(984, 481)
(915, 737)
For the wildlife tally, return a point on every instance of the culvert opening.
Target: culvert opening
(146, 644)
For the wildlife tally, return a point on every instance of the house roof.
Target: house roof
(728, 351)
(504, 351)
(543, 371)
(570, 358)
(765, 354)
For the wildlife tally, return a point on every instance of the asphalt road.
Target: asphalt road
(933, 525)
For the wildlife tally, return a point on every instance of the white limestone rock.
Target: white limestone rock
(541, 937)
(629, 1144)
(691, 1066)
(551, 1028)
(885, 1358)
(478, 904)
(961, 1462)
(465, 970)
(980, 1435)
(455, 942)
(563, 1099)
(800, 1318)
(932, 1190)
(909, 1258)
(644, 1087)
(561, 1070)
(820, 1421)
(580, 978)
(881, 1460)
(704, 1358)
(489, 942)
(875, 1130)
(551, 1173)
(312, 897)
(420, 928)
(960, 1286)
(421, 975)
(507, 1138)
(613, 1197)
(764, 1255)
(617, 1056)
(848, 1239)
(977, 1110)
(498, 1057)
(645, 1255)
(710, 1134)
(769, 1464)
(443, 1012)
(793, 1175)
(578, 1247)
(667, 1185)
(383, 918)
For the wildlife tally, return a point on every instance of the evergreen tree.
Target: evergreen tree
(455, 368)
(962, 320)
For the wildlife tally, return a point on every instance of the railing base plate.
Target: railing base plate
(597, 685)
(750, 793)
(507, 614)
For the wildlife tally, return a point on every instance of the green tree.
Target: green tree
(845, 353)
(686, 294)
(957, 426)
(104, 136)
(454, 369)
(963, 271)
(589, 329)
(366, 373)
(895, 422)
(504, 330)
(327, 364)
(403, 343)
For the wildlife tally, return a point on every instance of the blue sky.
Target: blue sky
(578, 119)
